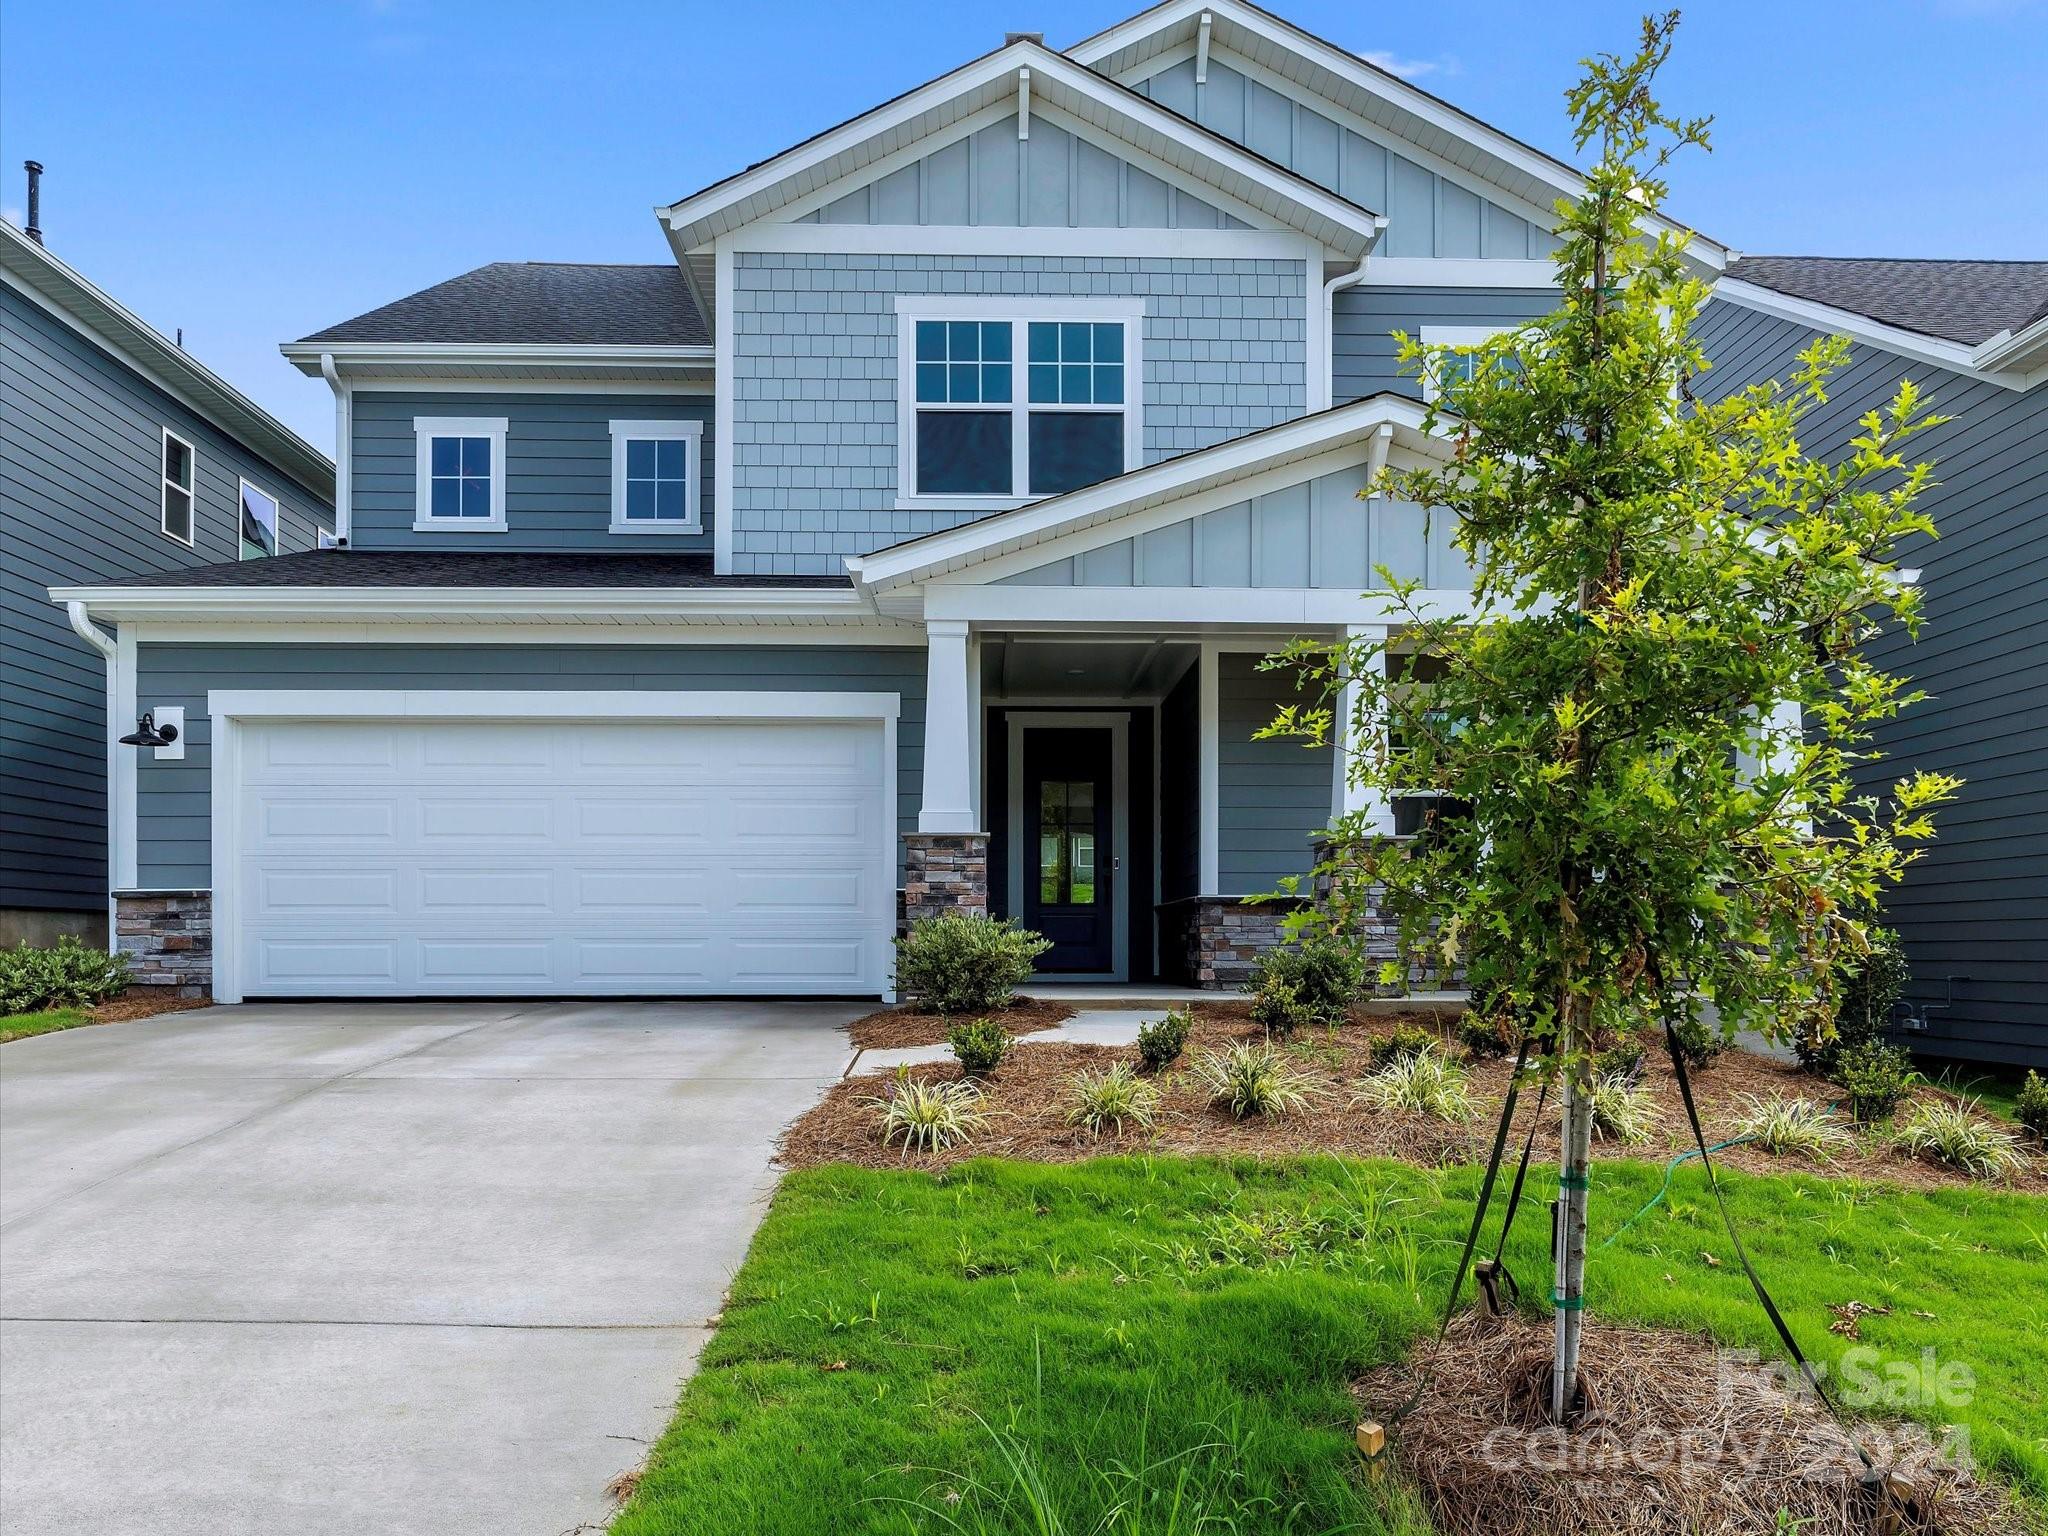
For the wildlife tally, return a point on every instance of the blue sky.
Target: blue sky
(254, 172)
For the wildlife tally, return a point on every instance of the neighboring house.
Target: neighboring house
(1973, 335)
(908, 543)
(122, 458)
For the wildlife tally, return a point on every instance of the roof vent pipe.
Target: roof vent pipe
(34, 229)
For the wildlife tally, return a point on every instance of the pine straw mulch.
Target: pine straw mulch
(1676, 1438)
(893, 1027)
(143, 1003)
(1026, 1101)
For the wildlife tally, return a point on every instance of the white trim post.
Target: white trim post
(1210, 781)
(1346, 795)
(948, 804)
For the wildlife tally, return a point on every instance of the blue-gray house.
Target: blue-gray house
(122, 457)
(907, 540)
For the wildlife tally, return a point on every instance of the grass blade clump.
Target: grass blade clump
(1252, 1080)
(1426, 1082)
(1958, 1135)
(1110, 1099)
(928, 1117)
(1793, 1128)
(1623, 1111)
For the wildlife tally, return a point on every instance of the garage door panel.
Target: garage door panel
(569, 857)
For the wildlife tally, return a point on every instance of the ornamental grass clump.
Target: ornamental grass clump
(979, 1047)
(966, 963)
(1623, 1111)
(1426, 1082)
(1957, 1135)
(1111, 1099)
(1161, 1042)
(1252, 1080)
(928, 1117)
(1793, 1128)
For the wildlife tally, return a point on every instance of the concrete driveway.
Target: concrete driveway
(373, 1267)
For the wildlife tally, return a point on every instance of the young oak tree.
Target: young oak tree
(1643, 731)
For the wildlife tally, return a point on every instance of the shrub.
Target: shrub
(1876, 1078)
(1279, 1008)
(1623, 1059)
(1487, 1035)
(1325, 973)
(1404, 1042)
(979, 1047)
(1161, 1042)
(66, 975)
(928, 1117)
(965, 963)
(1957, 1135)
(1793, 1128)
(1427, 1082)
(1251, 1080)
(1699, 1043)
(2032, 1106)
(1107, 1099)
(1866, 999)
(1623, 1111)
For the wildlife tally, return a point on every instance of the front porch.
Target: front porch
(1106, 789)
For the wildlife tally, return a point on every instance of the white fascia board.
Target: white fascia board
(1184, 610)
(977, 240)
(544, 704)
(595, 605)
(697, 221)
(1827, 320)
(1039, 522)
(1523, 158)
(306, 355)
(2023, 352)
(1458, 272)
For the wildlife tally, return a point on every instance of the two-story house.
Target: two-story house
(908, 542)
(122, 458)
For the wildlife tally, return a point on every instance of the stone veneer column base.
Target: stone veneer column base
(944, 872)
(168, 939)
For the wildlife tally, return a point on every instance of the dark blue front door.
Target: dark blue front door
(1068, 870)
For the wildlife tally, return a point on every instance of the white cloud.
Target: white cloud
(1407, 69)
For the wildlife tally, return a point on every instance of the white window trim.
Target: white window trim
(691, 435)
(425, 430)
(1458, 336)
(1020, 311)
(165, 485)
(246, 484)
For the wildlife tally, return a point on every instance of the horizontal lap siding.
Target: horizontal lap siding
(1272, 796)
(173, 813)
(558, 469)
(80, 446)
(1363, 321)
(1975, 907)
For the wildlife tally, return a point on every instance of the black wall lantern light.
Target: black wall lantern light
(148, 733)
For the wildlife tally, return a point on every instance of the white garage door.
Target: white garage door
(468, 857)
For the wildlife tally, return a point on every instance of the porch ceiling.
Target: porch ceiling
(1046, 668)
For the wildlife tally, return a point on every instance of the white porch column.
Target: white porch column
(1346, 796)
(1209, 770)
(949, 754)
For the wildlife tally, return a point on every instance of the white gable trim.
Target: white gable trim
(1827, 320)
(1160, 493)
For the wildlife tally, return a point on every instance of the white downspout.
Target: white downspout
(1331, 289)
(83, 626)
(344, 445)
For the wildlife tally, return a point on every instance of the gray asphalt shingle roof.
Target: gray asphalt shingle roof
(1965, 301)
(540, 303)
(434, 568)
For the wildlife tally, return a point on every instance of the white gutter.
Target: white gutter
(344, 447)
(457, 604)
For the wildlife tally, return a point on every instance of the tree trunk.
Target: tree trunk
(1570, 1238)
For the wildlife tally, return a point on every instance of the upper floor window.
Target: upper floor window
(1007, 399)
(656, 476)
(460, 474)
(1461, 362)
(259, 522)
(179, 487)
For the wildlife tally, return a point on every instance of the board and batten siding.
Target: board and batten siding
(1426, 214)
(814, 378)
(81, 443)
(1363, 321)
(1314, 534)
(1053, 179)
(173, 803)
(1973, 912)
(558, 470)
(1272, 796)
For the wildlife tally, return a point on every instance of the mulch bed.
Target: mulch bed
(1026, 1101)
(1676, 1438)
(143, 1003)
(893, 1027)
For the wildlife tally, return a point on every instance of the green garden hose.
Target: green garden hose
(1669, 1169)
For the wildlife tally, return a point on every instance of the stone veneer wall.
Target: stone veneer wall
(944, 872)
(168, 939)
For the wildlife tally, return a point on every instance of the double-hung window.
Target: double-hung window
(180, 487)
(259, 522)
(1004, 400)
(655, 476)
(460, 474)
(1460, 361)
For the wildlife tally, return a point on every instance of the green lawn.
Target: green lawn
(19, 1026)
(908, 1352)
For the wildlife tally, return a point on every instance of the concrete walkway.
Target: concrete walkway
(373, 1268)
